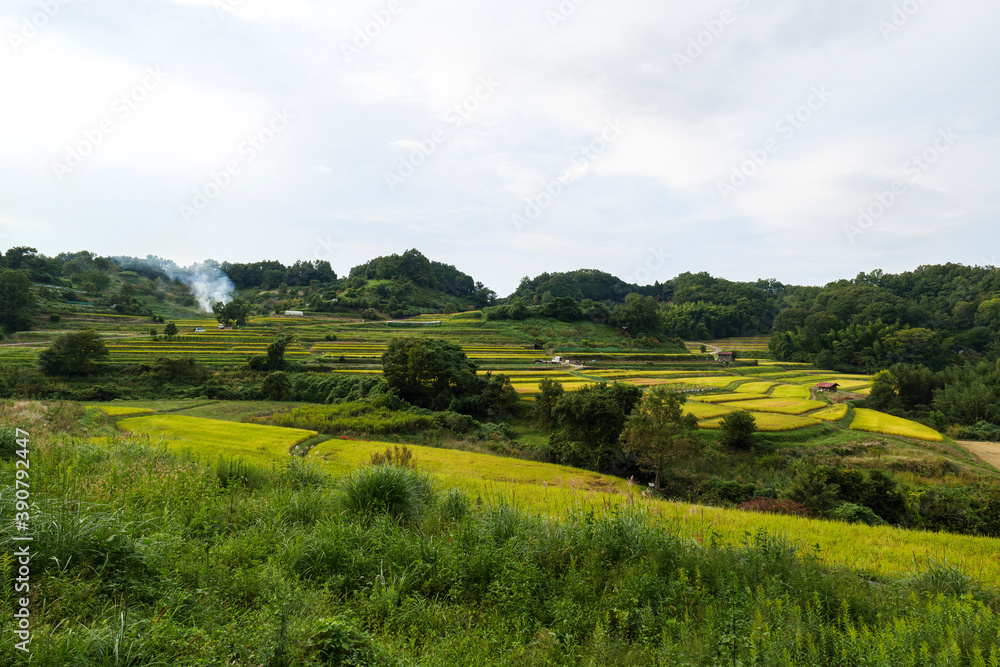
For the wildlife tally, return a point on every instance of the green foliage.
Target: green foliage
(398, 492)
(657, 432)
(336, 641)
(16, 300)
(638, 316)
(549, 393)
(738, 429)
(277, 386)
(589, 425)
(434, 373)
(73, 354)
(8, 442)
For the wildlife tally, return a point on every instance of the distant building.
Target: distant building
(827, 386)
(297, 313)
(727, 356)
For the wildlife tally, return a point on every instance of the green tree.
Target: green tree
(16, 301)
(429, 373)
(658, 432)
(884, 395)
(738, 429)
(277, 386)
(638, 316)
(590, 422)
(170, 330)
(234, 311)
(276, 352)
(73, 354)
(549, 393)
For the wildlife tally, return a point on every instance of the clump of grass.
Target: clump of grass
(399, 492)
(402, 456)
(231, 473)
(941, 578)
(300, 474)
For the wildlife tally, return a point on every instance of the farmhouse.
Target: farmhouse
(827, 386)
(727, 356)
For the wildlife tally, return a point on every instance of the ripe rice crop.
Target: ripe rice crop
(118, 410)
(754, 387)
(787, 406)
(832, 413)
(211, 437)
(790, 391)
(874, 421)
(727, 398)
(706, 410)
(767, 421)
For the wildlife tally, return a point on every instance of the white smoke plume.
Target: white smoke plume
(207, 281)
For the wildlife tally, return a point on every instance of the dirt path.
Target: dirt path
(987, 451)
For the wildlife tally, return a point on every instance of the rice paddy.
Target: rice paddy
(879, 422)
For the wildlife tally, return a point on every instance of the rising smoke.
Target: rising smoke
(207, 281)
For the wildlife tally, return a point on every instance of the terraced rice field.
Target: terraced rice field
(728, 398)
(786, 406)
(755, 387)
(790, 391)
(832, 414)
(878, 422)
(210, 438)
(767, 421)
(555, 490)
(119, 410)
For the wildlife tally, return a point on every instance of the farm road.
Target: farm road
(987, 451)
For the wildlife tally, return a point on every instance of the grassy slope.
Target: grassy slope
(555, 490)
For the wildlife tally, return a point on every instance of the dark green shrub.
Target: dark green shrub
(231, 473)
(8, 442)
(738, 429)
(401, 493)
(853, 513)
(722, 491)
(337, 642)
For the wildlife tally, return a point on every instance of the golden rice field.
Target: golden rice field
(879, 422)
(755, 387)
(787, 406)
(119, 410)
(770, 422)
(555, 490)
(790, 391)
(706, 410)
(727, 398)
(832, 414)
(210, 438)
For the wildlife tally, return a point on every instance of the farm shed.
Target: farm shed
(827, 386)
(294, 312)
(727, 356)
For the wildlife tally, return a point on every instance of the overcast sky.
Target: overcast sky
(640, 137)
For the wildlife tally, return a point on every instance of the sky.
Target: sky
(804, 141)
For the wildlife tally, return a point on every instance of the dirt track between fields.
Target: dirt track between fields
(987, 451)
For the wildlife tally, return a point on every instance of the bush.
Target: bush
(854, 513)
(55, 317)
(723, 491)
(8, 442)
(738, 429)
(401, 493)
(337, 642)
(231, 473)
